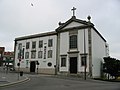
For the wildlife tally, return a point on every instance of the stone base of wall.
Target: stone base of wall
(22, 69)
(79, 74)
(63, 73)
(82, 74)
(39, 71)
(96, 77)
(46, 71)
(51, 71)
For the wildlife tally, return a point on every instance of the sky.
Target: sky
(19, 18)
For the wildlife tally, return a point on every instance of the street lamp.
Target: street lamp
(18, 64)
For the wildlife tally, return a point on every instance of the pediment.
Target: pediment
(73, 24)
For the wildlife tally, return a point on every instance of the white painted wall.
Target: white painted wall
(81, 48)
(64, 43)
(43, 62)
(98, 52)
(64, 48)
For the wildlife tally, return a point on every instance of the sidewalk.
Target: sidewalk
(9, 78)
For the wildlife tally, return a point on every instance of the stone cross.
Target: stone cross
(73, 9)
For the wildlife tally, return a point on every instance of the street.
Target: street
(51, 83)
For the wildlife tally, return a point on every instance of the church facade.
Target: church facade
(75, 47)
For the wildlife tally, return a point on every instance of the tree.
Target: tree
(111, 66)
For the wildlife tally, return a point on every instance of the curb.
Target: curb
(12, 83)
(107, 80)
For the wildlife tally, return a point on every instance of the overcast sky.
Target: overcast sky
(19, 18)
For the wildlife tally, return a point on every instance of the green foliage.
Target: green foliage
(111, 66)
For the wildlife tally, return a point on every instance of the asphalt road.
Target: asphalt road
(51, 83)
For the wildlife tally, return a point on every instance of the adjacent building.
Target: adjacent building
(75, 47)
(2, 49)
(8, 59)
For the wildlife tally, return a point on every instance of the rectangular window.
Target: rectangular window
(73, 42)
(27, 45)
(50, 42)
(63, 62)
(34, 45)
(33, 54)
(40, 54)
(26, 55)
(41, 44)
(19, 46)
(50, 54)
(83, 61)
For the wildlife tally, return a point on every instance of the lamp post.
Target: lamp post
(18, 64)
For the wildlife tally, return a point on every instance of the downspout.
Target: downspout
(90, 51)
(57, 54)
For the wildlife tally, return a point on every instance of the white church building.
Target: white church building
(75, 47)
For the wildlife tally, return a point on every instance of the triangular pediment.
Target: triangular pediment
(73, 23)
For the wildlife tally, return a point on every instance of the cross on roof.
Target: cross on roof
(73, 9)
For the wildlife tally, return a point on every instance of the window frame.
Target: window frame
(40, 54)
(27, 45)
(40, 43)
(33, 54)
(50, 52)
(73, 41)
(50, 42)
(83, 62)
(26, 55)
(34, 45)
(63, 61)
(19, 46)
